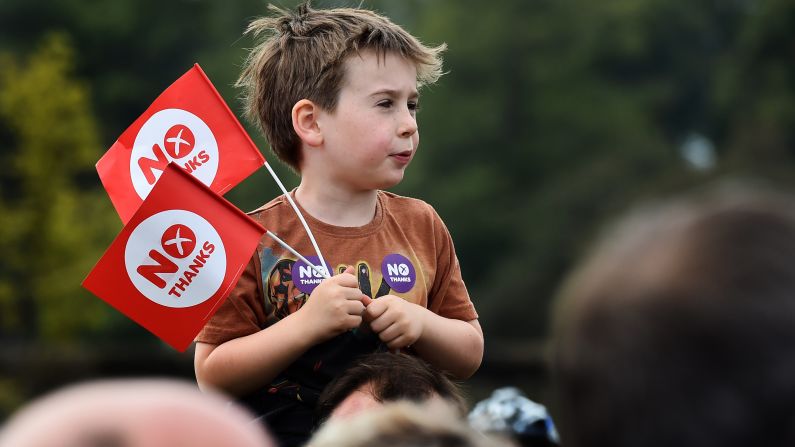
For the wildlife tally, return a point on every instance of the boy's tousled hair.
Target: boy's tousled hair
(301, 56)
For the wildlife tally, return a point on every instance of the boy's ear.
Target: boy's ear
(305, 114)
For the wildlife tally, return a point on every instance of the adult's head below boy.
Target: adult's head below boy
(336, 93)
(386, 377)
(680, 329)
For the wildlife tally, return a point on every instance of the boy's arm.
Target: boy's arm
(243, 364)
(455, 346)
(451, 345)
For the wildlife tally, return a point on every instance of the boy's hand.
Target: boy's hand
(334, 307)
(397, 322)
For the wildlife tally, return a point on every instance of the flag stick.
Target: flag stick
(319, 271)
(301, 218)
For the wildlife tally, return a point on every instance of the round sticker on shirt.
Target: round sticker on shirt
(305, 277)
(398, 273)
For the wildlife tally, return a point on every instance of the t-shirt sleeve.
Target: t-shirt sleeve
(242, 313)
(449, 296)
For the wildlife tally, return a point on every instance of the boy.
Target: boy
(335, 92)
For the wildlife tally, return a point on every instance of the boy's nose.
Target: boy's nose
(408, 125)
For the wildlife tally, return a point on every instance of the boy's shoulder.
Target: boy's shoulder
(397, 201)
(407, 207)
(274, 206)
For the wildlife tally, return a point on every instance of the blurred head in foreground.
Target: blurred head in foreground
(131, 413)
(403, 424)
(679, 330)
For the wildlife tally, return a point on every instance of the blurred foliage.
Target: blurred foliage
(10, 395)
(53, 228)
(554, 116)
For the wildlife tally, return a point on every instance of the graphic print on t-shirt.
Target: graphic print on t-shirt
(284, 296)
(363, 275)
(282, 293)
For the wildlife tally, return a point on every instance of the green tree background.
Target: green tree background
(554, 116)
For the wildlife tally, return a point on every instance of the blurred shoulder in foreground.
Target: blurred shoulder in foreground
(512, 415)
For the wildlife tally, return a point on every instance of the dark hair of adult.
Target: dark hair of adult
(679, 330)
(392, 377)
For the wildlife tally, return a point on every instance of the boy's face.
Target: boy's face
(372, 135)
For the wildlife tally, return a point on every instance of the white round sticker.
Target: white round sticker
(172, 135)
(176, 259)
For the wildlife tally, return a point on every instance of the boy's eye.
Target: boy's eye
(414, 106)
(387, 103)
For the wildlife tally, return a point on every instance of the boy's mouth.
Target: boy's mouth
(402, 157)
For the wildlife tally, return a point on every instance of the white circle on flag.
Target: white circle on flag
(176, 259)
(172, 135)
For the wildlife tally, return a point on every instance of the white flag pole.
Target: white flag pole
(303, 222)
(319, 271)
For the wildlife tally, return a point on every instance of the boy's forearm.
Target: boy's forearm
(250, 362)
(455, 346)
(244, 364)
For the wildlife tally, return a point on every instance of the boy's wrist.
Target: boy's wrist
(423, 314)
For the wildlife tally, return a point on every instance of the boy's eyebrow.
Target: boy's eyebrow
(393, 92)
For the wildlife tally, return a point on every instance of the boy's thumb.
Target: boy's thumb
(366, 300)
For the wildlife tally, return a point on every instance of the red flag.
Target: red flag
(189, 124)
(177, 258)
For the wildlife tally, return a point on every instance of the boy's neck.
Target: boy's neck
(337, 206)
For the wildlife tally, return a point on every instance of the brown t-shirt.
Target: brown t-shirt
(405, 251)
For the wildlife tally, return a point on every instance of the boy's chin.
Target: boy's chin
(384, 181)
(389, 183)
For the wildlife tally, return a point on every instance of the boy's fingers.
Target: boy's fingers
(355, 308)
(353, 321)
(366, 300)
(348, 281)
(374, 310)
(347, 278)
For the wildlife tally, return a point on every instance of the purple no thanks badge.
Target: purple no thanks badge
(398, 272)
(304, 277)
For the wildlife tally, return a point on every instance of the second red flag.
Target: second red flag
(189, 124)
